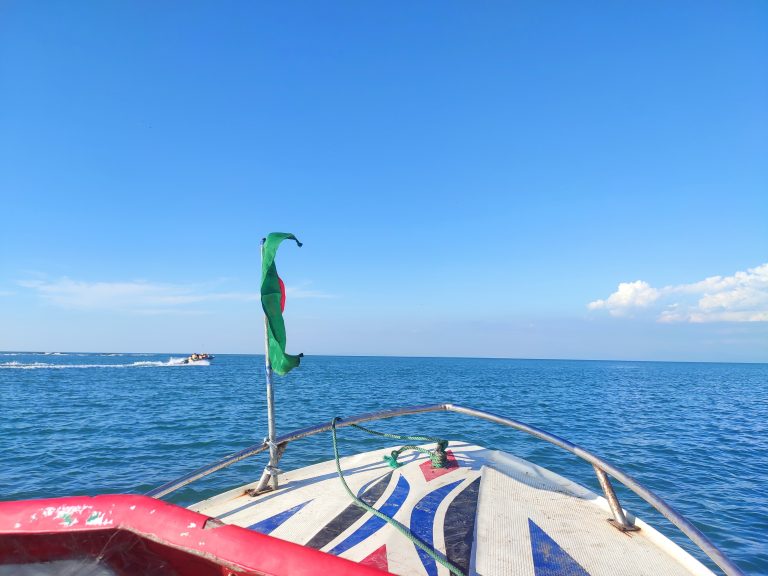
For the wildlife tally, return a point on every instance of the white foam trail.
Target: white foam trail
(183, 362)
(47, 366)
(15, 365)
(147, 364)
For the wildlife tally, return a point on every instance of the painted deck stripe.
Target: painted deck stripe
(267, 525)
(423, 520)
(549, 559)
(349, 515)
(459, 526)
(374, 523)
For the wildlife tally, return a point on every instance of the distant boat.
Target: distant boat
(193, 358)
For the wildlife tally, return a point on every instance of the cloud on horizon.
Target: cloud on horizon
(140, 296)
(742, 297)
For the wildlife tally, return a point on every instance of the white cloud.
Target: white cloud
(742, 297)
(629, 295)
(139, 296)
(135, 295)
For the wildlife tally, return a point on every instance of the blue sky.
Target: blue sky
(526, 180)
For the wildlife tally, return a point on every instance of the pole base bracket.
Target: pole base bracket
(623, 527)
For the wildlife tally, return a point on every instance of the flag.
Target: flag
(273, 303)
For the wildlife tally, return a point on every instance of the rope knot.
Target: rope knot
(392, 459)
(438, 456)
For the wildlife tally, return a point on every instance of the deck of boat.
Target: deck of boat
(488, 513)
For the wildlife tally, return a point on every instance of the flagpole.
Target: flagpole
(271, 470)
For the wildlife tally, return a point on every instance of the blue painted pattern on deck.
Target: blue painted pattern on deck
(549, 559)
(423, 521)
(267, 525)
(374, 524)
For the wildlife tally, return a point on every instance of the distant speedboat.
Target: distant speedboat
(192, 358)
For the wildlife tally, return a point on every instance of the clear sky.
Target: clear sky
(504, 179)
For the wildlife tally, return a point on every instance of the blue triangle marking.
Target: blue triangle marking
(548, 558)
(267, 525)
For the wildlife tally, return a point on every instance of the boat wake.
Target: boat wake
(15, 365)
(185, 362)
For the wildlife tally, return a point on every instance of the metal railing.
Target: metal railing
(602, 469)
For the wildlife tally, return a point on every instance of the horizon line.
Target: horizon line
(518, 358)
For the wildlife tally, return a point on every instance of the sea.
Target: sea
(696, 434)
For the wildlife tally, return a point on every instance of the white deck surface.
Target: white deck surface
(492, 514)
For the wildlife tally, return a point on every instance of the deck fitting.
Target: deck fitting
(623, 528)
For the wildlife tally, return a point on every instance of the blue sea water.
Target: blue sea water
(694, 433)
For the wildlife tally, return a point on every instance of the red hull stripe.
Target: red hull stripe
(182, 537)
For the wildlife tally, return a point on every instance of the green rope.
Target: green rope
(437, 456)
(394, 523)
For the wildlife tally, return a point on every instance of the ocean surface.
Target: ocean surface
(694, 433)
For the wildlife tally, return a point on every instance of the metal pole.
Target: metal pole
(619, 518)
(271, 469)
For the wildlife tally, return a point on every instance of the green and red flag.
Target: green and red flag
(273, 303)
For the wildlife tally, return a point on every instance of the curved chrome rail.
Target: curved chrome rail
(601, 467)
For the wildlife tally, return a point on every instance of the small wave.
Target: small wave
(48, 366)
(32, 365)
(12, 363)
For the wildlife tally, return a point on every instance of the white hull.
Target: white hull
(491, 514)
